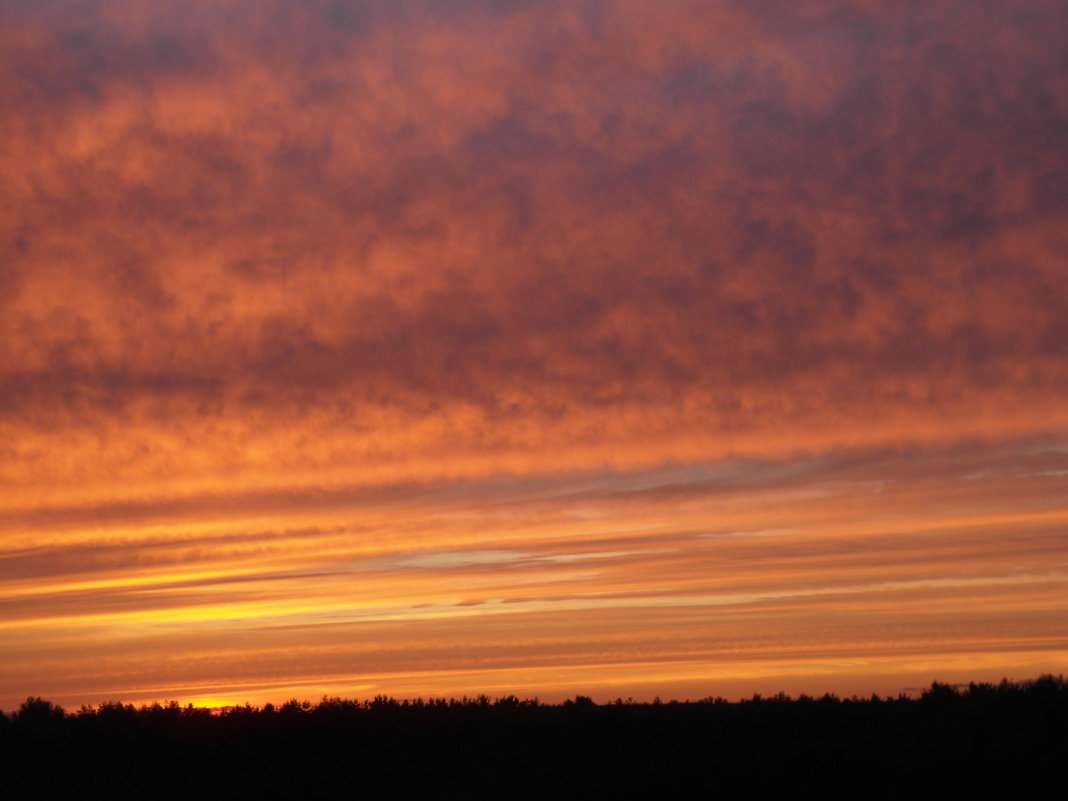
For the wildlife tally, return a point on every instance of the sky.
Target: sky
(605, 347)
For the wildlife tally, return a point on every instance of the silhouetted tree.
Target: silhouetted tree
(482, 747)
(38, 715)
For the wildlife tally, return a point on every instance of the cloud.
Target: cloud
(320, 259)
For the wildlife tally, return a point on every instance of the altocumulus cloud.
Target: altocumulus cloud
(510, 227)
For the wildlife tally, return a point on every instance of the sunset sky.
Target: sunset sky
(613, 347)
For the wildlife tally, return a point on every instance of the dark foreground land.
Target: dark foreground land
(987, 738)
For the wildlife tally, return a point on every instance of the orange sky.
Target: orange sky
(604, 347)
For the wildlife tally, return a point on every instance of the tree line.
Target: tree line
(978, 736)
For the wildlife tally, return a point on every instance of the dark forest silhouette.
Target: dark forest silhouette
(980, 737)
